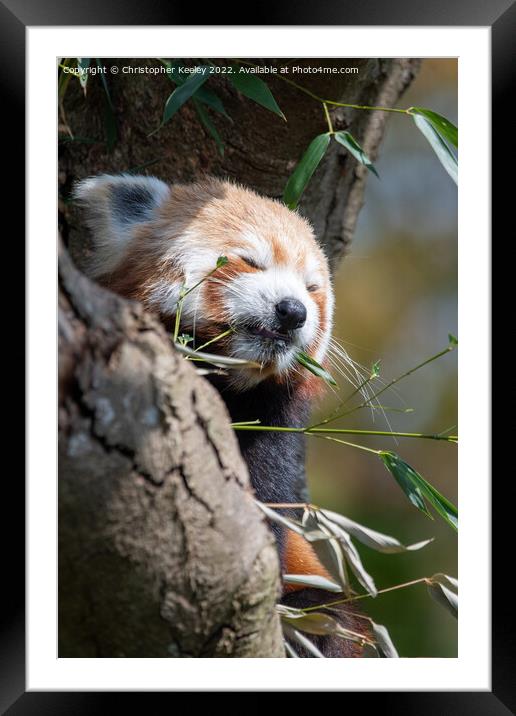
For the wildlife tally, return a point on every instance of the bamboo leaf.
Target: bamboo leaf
(384, 642)
(314, 367)
(445, 579)
(436, 141)
(204, 94)
(418, 489)
(320, 624)
(330, 554)
(442, 126)
(183, 92)
(375, 369)
(356, 150)
(280, 519)
(350, 553)
(402, 473)
(83, 64)
(208, 125)
(370, 651)
(254, 88)
(304, 642)
(328, 549)
(314, 623)
(371, 538)
(304, 170)
(213, 359)
(444, 590)
(285, 611)
(211, 99)
(312, 580)
(439, 502)
(290, 651)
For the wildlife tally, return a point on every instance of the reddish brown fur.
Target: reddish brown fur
(141, 267)
(299, 558)
(222, 212)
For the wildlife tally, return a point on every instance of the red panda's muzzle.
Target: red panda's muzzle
(272, 335)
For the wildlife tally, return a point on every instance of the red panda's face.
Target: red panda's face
(273, 294)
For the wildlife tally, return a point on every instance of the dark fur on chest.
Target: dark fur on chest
(276, 464)
(276, 461)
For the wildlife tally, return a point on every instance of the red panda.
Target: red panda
(151, 239)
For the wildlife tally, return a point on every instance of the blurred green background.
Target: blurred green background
(396, 300)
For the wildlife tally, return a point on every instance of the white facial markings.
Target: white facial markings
(193, 262)
(254, 248)
(248, 299)
(324, 340)
(164, 297)
(256, 295)
(312, 272)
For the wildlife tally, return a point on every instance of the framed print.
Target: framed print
(210, 330)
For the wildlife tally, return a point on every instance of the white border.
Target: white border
(471, 670)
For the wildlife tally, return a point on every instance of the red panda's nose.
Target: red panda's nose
(291, 313)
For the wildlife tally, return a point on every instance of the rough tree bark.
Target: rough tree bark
(161, 549)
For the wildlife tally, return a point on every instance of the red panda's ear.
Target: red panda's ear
(114, 206)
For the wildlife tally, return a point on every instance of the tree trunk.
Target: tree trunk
(162, 551)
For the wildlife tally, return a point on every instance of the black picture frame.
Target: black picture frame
(15, 16)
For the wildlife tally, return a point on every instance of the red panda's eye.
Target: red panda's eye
(312, 288)
(251, 262)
